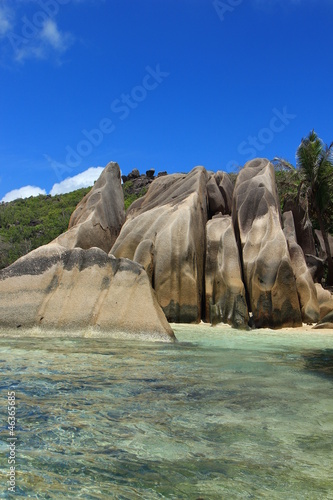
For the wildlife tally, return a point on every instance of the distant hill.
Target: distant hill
(26, 224)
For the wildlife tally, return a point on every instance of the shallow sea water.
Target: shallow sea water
(221, 414)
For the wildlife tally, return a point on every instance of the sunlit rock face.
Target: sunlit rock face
(98, 218)
(165, 232)
(56, 288)
(304, 283)
(267, 268)
(224, 289)
(325, 300)
(193, 248)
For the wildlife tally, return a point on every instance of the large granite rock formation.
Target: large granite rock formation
(303, 226)
(268, 272)
(98, 218)
(165, 232)
(316, 267)
(56, 288)
(219, 191)
(321, 244)
(326, 322)
(224, 289)
(325, 300)
(72, 283)
(179, 251)
(304, 283)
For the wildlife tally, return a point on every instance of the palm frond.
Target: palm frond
(282, 164)
(309, 155)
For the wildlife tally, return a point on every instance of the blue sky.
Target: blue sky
(164, 84)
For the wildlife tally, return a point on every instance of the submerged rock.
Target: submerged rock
(56, 288)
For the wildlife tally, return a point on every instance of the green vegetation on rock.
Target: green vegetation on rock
(131, 194)
(26, 224)
(310, 184)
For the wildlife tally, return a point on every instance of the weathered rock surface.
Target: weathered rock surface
(103, 271)
(326, 322)
(303, 226)
(225, 293)
(325, 300)
(267, 268)
(316, 267)
(165, 231)
(98, 218)
(137, 185)
(321, 244)
(56, 288)
(304, 283)
(220, 190)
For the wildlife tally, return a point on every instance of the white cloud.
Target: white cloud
(84, 179)
(47, 41)
(50, 34)
(5, 21)
(27, 38)
(23, 192)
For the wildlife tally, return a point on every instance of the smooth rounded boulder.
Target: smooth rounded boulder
(304, 283)
(325, 300)
(224, 289)
(165, 231)
(98, 218)
(267, 268)
(55, 288)
(219, 191)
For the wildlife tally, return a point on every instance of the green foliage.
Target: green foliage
(311, 184)
(26, 224)
(130, 199)
(315, 163)
(130, 195)
(297, 183)
(287, 182)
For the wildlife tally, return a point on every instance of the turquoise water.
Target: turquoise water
(220, 415)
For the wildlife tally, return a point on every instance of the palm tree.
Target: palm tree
(315, 166)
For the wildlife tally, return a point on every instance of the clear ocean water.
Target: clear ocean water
(221, 414)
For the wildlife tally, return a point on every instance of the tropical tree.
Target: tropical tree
(287, 179)
(315, 166)
(311, 183)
